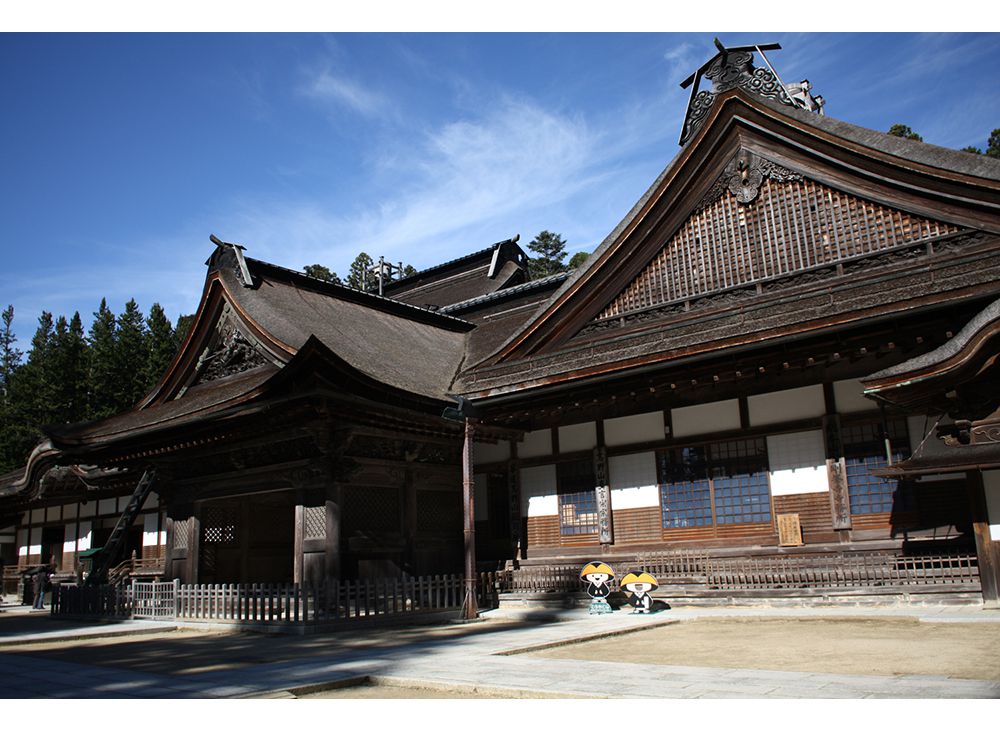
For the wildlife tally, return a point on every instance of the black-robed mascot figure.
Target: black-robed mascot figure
(598, 576)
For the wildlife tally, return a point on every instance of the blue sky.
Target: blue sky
(121, 153)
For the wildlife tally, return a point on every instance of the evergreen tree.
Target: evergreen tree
(71, 373)
(358, 277)
(550, 249)
(131, 357)
(993, 144)
(181, 330)
(102, 362)
(10, 356)
(322, 273)
(408, 270)
(578, 259)
(160, 345)
(905, 132)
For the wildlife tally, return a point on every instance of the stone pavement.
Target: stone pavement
(495, 660)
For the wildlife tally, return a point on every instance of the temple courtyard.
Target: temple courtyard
(899, 651)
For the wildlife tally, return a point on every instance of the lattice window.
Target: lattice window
(578, 513)
(739, 478)
(371, 508)
(731, 475)
(864, 451)
(219, 525)
(793, 225)
(577, 498)
(439, 512)
(181, 534)
(314, 522)
(685, 492)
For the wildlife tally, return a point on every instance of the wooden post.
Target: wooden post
(987, 550)
(470, 609)
(298, 559)
(331, 564)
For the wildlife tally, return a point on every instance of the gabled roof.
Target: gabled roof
(481, 273)
(959, 191)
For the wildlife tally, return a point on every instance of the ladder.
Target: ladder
(109, 553)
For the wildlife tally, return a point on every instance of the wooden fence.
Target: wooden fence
(264, 603)
(775, 572)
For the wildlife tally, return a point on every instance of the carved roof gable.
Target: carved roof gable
(761, 223)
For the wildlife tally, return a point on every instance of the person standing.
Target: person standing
(39, 584)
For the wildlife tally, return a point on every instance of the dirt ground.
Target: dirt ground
(882, 647)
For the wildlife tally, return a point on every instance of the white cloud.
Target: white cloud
(327, 87)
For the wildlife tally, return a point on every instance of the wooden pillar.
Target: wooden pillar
(987, 550)
(514, 498)
(168, 550)
(470, 607)
(297, 551)
(331, 554)
(409, 521)
(194, 546)
(836, 467)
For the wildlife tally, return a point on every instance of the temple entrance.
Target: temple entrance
(248, 539)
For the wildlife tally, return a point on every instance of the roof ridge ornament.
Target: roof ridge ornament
(242, 271)
(733, 68)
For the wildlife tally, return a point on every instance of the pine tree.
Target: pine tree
(993, 144)
(10, 356)
(181, 330)
(358, 277)
(905, 132)
(131, 357)
(71, 373)
(322, 273)
(550, 249)
(160, 346)
(102, 362)
(578, 259)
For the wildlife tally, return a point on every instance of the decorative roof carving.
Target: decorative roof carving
(230, 352)
(732, 68)
(763, 227)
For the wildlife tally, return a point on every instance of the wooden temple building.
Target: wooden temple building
(756, 362)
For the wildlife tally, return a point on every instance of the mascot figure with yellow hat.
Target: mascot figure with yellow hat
(639, 584)
(598, 576)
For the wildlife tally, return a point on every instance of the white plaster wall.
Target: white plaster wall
(488, 452)
(850, 397)
(574, 437)
(991, 486)
(122, 504)
(479, 491)
(535, 444)
(633, 480)
(37, 515)
(798, 463)
(35, 541)
(538, 491)
(789, 405)
(88, 509)
(53, 513)
(150, 536)
(83, 540)
(635, 428)
(918, 427)
(701, 419)
(69, 511)
(69, 538)
(107, 506)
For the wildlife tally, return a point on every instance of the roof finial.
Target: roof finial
(242, 270)
(731, 68)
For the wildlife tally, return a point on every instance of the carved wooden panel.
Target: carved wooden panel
(314, 522)
(787, 225)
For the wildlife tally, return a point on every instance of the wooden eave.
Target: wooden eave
(738, 123)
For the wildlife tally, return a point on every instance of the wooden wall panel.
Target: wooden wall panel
(693, 533)
(813, 510)
(756, 532)
(543, 531)
(638, 525)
